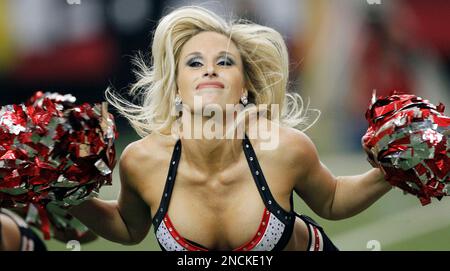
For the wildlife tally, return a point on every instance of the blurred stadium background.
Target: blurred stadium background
(340, 52)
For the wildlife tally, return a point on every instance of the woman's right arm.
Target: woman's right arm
(126, 220)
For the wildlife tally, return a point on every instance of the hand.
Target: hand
(74, 199)
(370, 155)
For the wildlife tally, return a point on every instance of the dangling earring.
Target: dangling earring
(178, 103)
(244, 100)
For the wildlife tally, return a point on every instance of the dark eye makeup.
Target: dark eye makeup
(196, 61)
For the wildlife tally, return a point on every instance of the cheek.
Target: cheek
(237, 82)
(184, 80)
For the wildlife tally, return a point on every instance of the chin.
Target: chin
(213, 105)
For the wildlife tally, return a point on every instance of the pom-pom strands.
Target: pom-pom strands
(408, 139)
(52, 150)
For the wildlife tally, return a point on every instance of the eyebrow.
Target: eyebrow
(220, 54)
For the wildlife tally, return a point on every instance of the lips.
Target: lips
(212, 84)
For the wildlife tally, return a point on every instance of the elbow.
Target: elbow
(335, 212)
(131, 242)
(329, 214)
(133, 239)
(340, 212)
(335, 217)
(122, 239)
(336, 207)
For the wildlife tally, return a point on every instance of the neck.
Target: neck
(211, 155)
(211, 152)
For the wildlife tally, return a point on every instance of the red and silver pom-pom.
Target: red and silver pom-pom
(52, 150)
(408, 139)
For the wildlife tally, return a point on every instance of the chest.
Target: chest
(221, 211)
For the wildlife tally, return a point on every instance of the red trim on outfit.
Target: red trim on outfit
(258, 235)
(246, 247)
(317, 239)
(178, 238)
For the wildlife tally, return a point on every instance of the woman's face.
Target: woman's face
(210, 67)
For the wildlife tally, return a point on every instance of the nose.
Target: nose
(210, 71)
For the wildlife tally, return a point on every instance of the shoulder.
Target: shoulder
(292, 153)
(297, 155)
(292, 149)
(285, 143)
(143, 156)
(296, 147)
(296, 142)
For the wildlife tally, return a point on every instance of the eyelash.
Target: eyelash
(195, 61)
(227, 61)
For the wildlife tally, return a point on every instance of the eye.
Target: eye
(225, 61)
(194, 62)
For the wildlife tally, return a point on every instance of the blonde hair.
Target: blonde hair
(265, 61)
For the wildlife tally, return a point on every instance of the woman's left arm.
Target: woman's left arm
(334, 197)
(354, 194)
